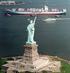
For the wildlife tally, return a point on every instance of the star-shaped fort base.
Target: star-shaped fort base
(31, 61)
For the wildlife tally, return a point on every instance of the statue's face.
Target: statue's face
(31, 21)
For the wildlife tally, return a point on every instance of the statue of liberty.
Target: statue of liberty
(31, 30)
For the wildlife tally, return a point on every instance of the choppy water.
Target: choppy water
(52, 38)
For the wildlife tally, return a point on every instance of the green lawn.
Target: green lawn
(2, 61)
(65, 67)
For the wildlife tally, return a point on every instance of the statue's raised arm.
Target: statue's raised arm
(35, 19)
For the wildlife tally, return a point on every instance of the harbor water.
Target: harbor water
(52, 37)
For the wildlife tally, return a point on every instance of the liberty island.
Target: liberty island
(31, 61)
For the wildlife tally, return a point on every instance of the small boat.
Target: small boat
(35, 11)
(50, 19)
(11, 2)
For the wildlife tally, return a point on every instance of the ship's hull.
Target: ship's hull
(34, 13)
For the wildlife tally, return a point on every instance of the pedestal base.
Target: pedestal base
(42, 64)
(32, 62)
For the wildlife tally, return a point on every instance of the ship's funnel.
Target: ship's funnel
(46, 8)
(64, 10)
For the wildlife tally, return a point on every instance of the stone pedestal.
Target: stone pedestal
(30, 53)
